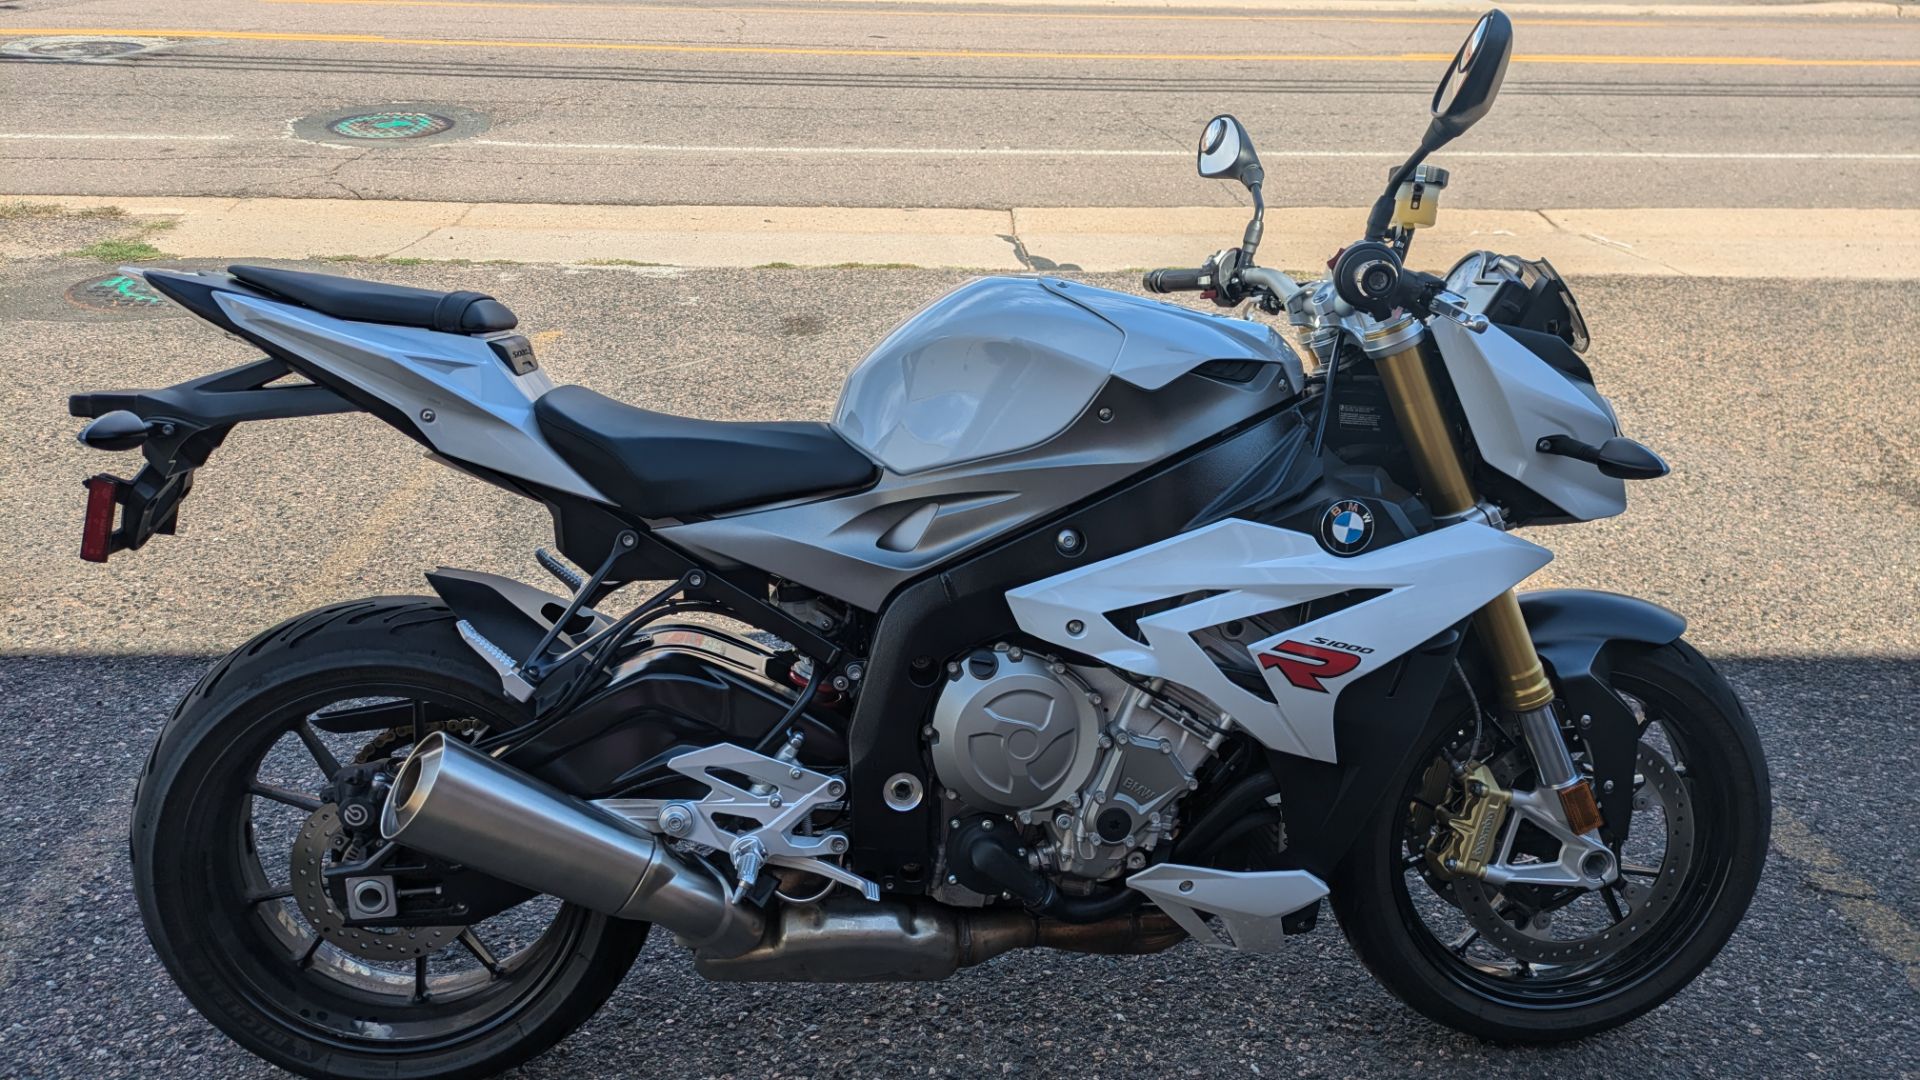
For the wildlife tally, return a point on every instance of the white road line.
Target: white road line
(1036, 152)
(29, 135)
(930, 151)
(1393, 155)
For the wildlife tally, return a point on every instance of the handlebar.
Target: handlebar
(1173, 279)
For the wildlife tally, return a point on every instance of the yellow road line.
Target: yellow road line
(1067, 16)
(1883, 928)
(975, 54)
(346, 565)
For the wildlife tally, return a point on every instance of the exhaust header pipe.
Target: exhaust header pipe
(845, 940)
(455, 803)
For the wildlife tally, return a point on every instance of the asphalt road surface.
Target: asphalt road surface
(1785, 534)
(876, 104)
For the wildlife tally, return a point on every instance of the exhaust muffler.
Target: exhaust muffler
(455, 803)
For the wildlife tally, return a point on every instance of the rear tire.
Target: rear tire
(229, 951)
(1726, 777)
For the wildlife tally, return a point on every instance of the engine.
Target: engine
(1090, 766)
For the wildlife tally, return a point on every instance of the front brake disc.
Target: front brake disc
(1645, 901)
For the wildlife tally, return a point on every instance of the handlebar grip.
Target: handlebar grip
(1175, 280)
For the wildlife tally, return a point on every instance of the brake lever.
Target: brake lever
(1455, 308)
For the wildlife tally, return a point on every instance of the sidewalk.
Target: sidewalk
(1791, 243)
(1717, 9)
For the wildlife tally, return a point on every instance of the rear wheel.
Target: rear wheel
(1531, 964)
(231, 837)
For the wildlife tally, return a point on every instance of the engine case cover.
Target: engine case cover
(1010, 732)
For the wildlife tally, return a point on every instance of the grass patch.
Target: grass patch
(25, 211)
(777, 266)
(119, 251)
(621, 262)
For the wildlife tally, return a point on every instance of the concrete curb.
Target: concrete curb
(1792, 243)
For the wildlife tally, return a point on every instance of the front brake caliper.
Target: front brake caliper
(1473, 825)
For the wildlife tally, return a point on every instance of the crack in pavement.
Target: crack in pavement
(423, 237)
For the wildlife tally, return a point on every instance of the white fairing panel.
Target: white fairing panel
(1513, 399)
(1430, 582)
(482, 412)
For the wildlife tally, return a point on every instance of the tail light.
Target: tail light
(103, 500)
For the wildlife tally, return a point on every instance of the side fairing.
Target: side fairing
(1243, 569)
(1513, 399)
(862, 546)
(481, 411)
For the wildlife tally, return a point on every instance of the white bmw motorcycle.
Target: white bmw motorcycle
(1090, 623)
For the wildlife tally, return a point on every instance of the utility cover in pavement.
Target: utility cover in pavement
(115, 292)
(391, 125)
(75, 48)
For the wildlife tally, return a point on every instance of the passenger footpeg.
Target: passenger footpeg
(782, 796)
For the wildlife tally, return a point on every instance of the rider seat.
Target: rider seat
(658, 465)
(371, 301)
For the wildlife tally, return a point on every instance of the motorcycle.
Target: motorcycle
(1090, 623)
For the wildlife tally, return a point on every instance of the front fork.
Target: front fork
(1396, 348)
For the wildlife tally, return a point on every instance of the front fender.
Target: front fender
(1571, 630)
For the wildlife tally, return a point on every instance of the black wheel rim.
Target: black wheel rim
(1574, 985)
(247, 807)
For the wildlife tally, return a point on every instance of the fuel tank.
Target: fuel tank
(1002, 364)
(995, 406)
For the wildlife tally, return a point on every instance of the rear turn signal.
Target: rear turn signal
(103, 498)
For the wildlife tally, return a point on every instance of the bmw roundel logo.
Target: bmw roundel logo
(1347, 527)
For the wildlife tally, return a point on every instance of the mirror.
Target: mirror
(1462, 98)
(1467, 91)
(1227, 152)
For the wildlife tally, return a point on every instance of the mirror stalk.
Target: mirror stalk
(1255, 228)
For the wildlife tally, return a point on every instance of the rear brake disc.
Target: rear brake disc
(308, 864)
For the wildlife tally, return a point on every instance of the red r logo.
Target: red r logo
(1305, 665)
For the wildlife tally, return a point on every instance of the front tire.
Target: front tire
(219, 876)
(1718, 802)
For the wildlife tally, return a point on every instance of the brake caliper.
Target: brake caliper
(1472, 825)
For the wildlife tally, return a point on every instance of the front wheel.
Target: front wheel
(232, 838)
(1532, 964)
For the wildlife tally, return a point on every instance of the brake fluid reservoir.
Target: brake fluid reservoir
(1417, 202)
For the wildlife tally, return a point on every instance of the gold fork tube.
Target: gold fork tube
(1416, 407)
